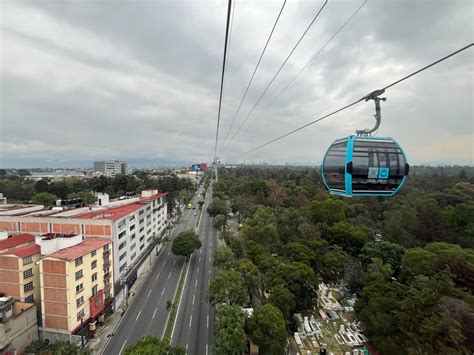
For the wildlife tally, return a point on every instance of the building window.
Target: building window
(132, 227)
(140, 213)
(142, 238)
(94, 253)
(107, 294)
(121, 224)
(133, 256)
(27, 273)
(141, 229)
(79, 301)
(148, 231)
(133, 236)
(79, 288)
(142, 246)
(27, 260)
(122, 245)
(78, 261)
(30, 299)
(80, 314)
(122, 256)
(131, 218)
(121, 235)
(106, 247)
(79, 274)
(94, 264)
(94, 290)
(133, 246)
(94, 277)
(28, 287)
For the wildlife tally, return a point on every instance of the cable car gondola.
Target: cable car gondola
(361, 165)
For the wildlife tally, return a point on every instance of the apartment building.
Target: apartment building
(77, 287)
(134, 225)
(19, 276)
(111, 167)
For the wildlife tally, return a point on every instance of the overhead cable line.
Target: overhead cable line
(254, 71)
(379, 91)
(222, 76)
(306, 65)
(276, 74)
(230, 37)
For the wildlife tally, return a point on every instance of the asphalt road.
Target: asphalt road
(194, 326)
(147, 314)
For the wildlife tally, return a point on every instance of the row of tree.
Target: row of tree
(409, 259)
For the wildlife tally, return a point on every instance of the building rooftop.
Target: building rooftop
(83, 248)
(15, 240)
(25, 251)
(116, 213)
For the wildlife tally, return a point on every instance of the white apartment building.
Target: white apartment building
(111, 167)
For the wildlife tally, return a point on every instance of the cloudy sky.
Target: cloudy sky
(86, 80)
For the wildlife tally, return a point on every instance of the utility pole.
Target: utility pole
(216, 162)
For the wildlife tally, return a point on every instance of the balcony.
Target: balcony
(106, 254)
(106, 263)
(106, 275)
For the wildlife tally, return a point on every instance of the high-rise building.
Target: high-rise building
(111, 167)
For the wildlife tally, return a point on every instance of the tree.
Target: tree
(23, 172)
(389, 253)
(220, 221)
(44, 198)
(217, 206)
(230, 335)
(224, 257)
(41, 186)
(282, 298)
(58, 348)
(266, 328)
(228, 287)
(350, 237)
(329, 211)
(151, 345)
(185, 243)
(332, 265)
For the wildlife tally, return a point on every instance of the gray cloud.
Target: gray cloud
(140, 80)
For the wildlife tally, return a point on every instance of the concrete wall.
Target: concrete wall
(20, 330)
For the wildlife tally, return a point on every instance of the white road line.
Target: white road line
(199, 259)
(194, 298)
(169, 251)
(209, 259)
(209, 271)
(207, 349)
(208, 320)
(196, 284)
(198, 270)
(138, 315)
(190, 320)
(155, 312)
(163, 292)
(164, 263)
(209, 282)
(156, 278)
(121, 349)
(174, 262)
(148, 294)
(169, 275)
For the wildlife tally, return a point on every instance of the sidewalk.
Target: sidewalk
(98, 343)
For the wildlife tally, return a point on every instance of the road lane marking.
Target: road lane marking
(198, 270)
(190, 320)
(155, 312)
(156, 278)
(207, 349)
(209, 282)
(199, 259)
(164, 263)
(147, 296)
(209, 259)
(208, 320)
(138, 315)
(196, 284)
(209, 271)
(169, 275)
(174, 262)
(163, 292)
(194, 298)
(121, 349)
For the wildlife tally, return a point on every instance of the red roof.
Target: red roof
(16, 240)
(23, 252)
(116, 213)
(83, 248)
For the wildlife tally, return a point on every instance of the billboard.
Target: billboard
(196, 167)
